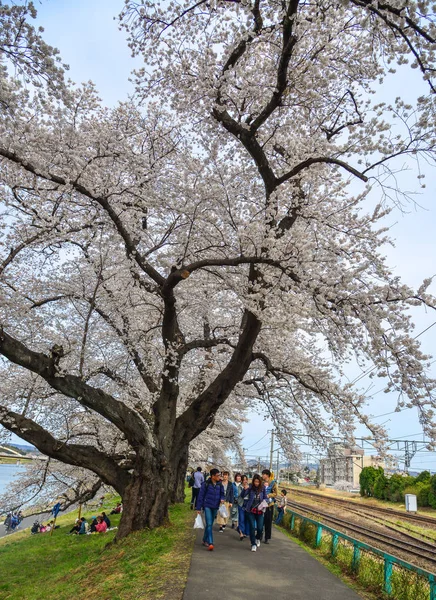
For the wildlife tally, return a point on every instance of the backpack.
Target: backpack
(191, 481)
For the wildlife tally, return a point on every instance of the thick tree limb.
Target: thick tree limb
(322, 159)
(179, 274)
(202, 410)
(73, 454)
(127, 420)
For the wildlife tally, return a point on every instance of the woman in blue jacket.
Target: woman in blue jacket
(256, 494)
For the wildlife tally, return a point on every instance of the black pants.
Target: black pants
(195, 492)
(268, 521)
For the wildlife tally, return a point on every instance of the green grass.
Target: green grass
(146, 565)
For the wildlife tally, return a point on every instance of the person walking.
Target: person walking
(241, 483)
(256, 494)
(228, 492)
(210, 497)
(272, 492)
(198, 480)
(281, 507)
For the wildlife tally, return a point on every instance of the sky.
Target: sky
(88, 38)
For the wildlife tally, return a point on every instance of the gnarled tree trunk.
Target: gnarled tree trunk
(146, 498)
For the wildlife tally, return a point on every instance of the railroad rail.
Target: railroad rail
(371, 509)
(419, 548)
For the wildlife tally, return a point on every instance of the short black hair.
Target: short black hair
(284, 492)
(213, 472)
(198, 468)
(266, 472)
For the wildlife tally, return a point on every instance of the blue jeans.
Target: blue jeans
(243, 526)
(280, 515)
(256, 526)
(209, 515)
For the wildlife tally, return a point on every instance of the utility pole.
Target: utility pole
(258, 464)
(272, 450)
(278, 465)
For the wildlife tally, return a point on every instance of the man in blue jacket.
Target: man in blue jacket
(210, 497)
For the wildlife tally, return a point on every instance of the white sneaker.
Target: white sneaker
(254, 548)
(258, 543)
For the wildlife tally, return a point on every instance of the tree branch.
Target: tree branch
(73, 454)
(200, 413)
(322, 159)
(179, 274)
(130, 244)
(127, 420)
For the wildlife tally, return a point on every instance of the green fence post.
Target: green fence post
(335, 541)
(292, 522)
(388, 575)
(432, 583)
(318, 536)
(356, 559)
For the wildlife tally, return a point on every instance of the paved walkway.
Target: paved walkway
(25, 523)
(280, 570)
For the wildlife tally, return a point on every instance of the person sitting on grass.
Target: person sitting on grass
(93, 525)
(106, 519)
(76, 527)
(83, 526)
(117, 509)
(101, 526)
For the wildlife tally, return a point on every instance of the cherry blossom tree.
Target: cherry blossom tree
(208, 245)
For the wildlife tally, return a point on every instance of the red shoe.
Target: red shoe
(210, 547)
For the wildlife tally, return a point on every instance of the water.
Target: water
(7, 474)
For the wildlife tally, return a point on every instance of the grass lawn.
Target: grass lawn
(147, 565)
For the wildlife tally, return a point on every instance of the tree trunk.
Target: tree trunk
(145, 500)
(179, 467)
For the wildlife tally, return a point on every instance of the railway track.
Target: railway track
(368, 509)
(419, 548)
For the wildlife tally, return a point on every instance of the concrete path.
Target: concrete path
(280, 570)
(25, 523)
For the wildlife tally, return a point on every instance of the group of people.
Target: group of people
(38, 527)
(13, 520)
(98, 524)
(248, 506)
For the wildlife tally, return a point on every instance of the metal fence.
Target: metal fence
(374, 569)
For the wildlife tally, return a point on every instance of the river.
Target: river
(7, 474)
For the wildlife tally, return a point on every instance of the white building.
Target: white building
(345, 463)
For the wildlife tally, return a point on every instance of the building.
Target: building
(345, 463)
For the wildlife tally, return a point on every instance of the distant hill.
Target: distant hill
(23, 447)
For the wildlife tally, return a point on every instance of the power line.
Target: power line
(258, 441)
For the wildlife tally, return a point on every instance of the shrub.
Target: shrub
(423, 477)
(421, 491)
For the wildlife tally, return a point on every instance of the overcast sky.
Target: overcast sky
(88, 38)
